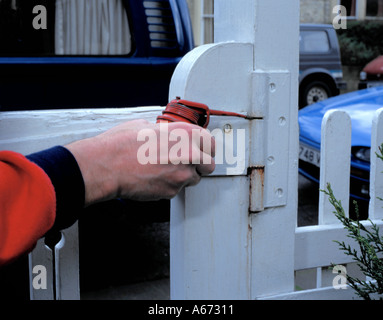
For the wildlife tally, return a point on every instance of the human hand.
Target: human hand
(111, 165)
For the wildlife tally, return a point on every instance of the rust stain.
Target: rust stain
(257, 179)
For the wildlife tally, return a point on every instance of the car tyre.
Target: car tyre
(314, 92)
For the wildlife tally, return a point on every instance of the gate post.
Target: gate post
(232, 235)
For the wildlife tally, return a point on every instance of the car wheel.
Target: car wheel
(314, 92)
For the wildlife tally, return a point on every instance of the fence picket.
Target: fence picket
(376, 169)
(335, 163)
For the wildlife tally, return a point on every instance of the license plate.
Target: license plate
(309, 154)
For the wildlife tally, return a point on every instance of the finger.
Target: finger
(207, 167)
(200, 136)
(207, 144)
(204, 140)
(195, 178)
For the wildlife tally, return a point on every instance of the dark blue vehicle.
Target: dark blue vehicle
(361, 106)
(320, 66)
(133, 49)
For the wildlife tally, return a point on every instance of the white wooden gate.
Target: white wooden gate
(233, 236)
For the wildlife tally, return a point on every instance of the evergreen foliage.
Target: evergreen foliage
(370, 247)
(361, 42)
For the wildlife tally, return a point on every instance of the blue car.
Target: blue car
(361, 106)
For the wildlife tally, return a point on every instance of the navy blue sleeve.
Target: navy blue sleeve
(64, 172)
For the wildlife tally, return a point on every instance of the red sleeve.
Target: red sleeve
(27, 205)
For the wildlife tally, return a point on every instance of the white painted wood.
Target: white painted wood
(240, 17)
(42, 256)
(257, 259)
(273, 229)
(335, 163)
(217, 75)
(67, 265)
(315, 246)
(257, 21)
(232, 148)
(376, 169)
(31, 131)
(277, 136)
(209, 239)
(327, 293)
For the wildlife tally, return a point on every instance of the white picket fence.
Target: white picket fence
(315, 248)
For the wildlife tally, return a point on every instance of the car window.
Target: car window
(314, 41)
(72, 27)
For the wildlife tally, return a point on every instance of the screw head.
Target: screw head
(227, 128)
